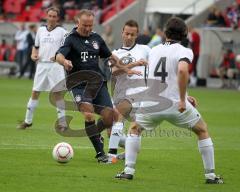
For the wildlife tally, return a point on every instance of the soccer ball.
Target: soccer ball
(62, 152)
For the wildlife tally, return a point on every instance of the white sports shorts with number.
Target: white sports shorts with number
(187, 119)
(48, 77)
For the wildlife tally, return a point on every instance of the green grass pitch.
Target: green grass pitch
(169, 158)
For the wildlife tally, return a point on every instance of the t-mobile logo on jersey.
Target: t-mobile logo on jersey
(84, 56)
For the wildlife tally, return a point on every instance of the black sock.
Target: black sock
(112, 151)
(95, 137)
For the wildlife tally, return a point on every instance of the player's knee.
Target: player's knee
(124, 108)
(108, 121)
(201, 129)
(35, 95)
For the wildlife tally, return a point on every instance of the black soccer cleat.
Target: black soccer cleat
(124, 175)
(23, 125)
(102, 158)
(216, 180)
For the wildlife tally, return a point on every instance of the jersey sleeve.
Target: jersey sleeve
(186, 55)
(37, 40)
(66, 47)
(104, 52)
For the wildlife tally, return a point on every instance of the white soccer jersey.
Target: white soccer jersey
(163, 65)
(49, 42)
(128, 55)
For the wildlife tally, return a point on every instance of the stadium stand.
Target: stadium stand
(34, 11)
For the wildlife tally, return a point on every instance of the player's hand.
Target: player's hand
(181, 106)
(141, 62)
(192, 100)
(134, 72)
(34, 57)
(67, 65)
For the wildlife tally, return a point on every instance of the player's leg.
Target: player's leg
(31, 106)
(133, 143)
(92, 131)
(39, 84)
(117, 136)
(192, 118)
(60, 107)
(206, 149)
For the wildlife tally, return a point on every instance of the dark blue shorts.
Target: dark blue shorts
(97, 95)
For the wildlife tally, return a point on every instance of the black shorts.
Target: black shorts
(96, 95)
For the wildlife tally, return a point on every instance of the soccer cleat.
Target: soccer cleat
(121, 156)
(23, 125)
(216, 180)
(124, 175)
(102, 158)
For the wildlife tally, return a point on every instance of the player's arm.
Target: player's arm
(60, 58)
(182, 84)
(62, 52)
(117, 71)
(118, 64)
(34, 55)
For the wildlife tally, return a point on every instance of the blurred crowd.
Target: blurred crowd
(11, 10)
(230, 17)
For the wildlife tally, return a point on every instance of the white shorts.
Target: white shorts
(48, 77)
(187, 119)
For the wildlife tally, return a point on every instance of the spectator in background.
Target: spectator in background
(232, 16)
(215, 18)
(227, 69)
(156, 39)
(108, 36)
(29, 62)
(4, 51)
(98, 13)
(144, 38)
(21, 39)
(194, 42)
(1, 8)
(70, 4)
(46, 4)
(100, 3)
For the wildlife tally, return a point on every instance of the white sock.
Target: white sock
(116, 134)
(206, 149)
(31, 106)
(61, 112)
(133, 143)
(129, 170)
(122, 141)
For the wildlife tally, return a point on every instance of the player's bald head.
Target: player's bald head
(85, 12)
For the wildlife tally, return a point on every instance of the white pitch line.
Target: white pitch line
(34, 147)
